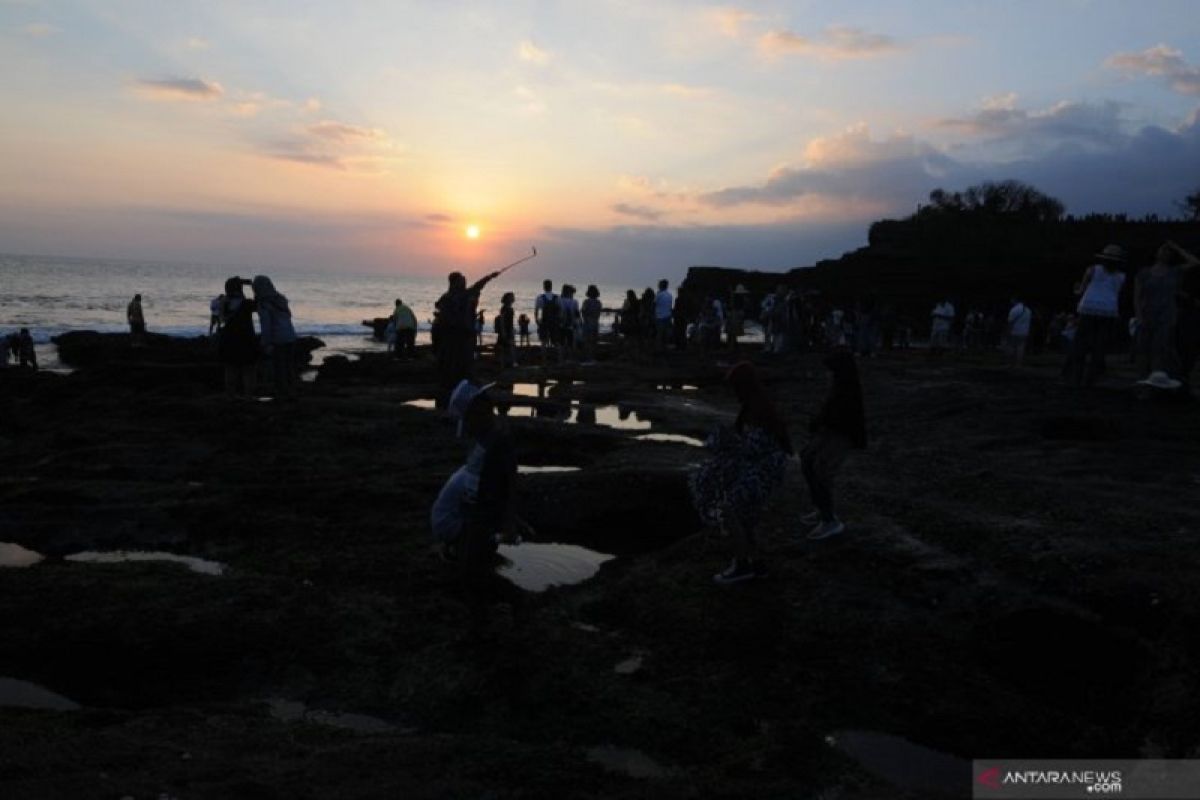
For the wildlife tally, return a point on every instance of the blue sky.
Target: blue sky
(621, 137)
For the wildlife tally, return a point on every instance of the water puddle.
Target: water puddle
(678, 438)
(626, 761)
(902, 763)
(428, 405)
(676, 387)
(619, 417)
(13, 555)
(200, 565)
(295, 711)
(537, 567)
(23, 694)
(538, 469)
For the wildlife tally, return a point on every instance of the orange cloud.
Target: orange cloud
(837, 43)
(180, 89)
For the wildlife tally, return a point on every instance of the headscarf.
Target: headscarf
(757, 408)
(266, 293)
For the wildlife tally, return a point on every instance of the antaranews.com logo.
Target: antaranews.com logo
(1075, 779)
(1095, 782)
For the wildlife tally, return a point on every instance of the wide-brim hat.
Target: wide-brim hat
(461, 399)
(1113, 252)
(741, 289)
(1161, 380)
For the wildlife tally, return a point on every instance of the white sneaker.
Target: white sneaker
(827, 529)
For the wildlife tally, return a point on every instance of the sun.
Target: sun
(472, 231)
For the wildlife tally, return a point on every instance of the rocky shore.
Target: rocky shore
(1020, 578)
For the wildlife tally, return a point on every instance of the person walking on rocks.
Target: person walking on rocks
(137, 321)
(278, 339)
(748, 462)
(238, 348)
(454, 332)
(838, 428)
(1099, 293)
(406, 330)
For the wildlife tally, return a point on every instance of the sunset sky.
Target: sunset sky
(620, 137)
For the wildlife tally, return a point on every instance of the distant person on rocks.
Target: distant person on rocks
(572, 322)
(1099, 293)
(214, 313)
(663, 304)
(523, 326)
(590, 311)
(137, 321)
(479, 323)
(454, 332)
(238, 347)
(735, 320)
(506, 339)
(647, 320)
(547, 313)
(838, 427)
(1020, 319)
(942, 322)
(629, 323)
(406, 330)
(1156, 304)
(748, 461)
(474, 511)
(278, 336)
(26, 354)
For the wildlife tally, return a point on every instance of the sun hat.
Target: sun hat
(1161, 380)
(461, 399)
(741, 289)
(1113, 252)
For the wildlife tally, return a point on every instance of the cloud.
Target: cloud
(312, 105)
(1160, 61)
(837, 43)
(1024, 132)
(639, 212)
(343, 132)
(439, 218)
(528, 51)
(308, 159)
(180, 89)
(729, 21)
(40, 29)
(197, 43)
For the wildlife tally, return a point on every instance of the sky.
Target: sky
(623, 138)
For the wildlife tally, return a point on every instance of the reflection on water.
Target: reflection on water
(13, 555)
(203, 566)
(626, 761)
(670, 437)
(677, 387)
(534, 469)
(620, 417)
(537, 567)
(902, 763)
(23, 694)
(294, 711)
(428, 405)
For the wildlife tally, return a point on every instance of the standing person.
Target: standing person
(1020, 318)
(663, 304)
(1099, 293)
(214, 313)
(474, 509)
(406, 330)
(942, 321)
(591, 322)
(765, 316)
(479, 323)
(572, 322)
(523, 326)
(646, 320)
(1187, 328)
(137, 321)
(26, 354)
(747, 464)
(630, 320)
(1156, 291)
(278, 339)
(735, 322)
(506, 342)
(837, 428)
(238, 348)
(454, 332)
(547, 313)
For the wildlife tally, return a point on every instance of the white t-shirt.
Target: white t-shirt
(1019, 319)
(662, 305)
(1103, 293)
(943, 316)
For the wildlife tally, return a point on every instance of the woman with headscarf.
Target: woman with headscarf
(278, 336)
(237, 347)
(748, 460)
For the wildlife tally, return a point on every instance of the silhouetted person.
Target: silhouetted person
(278, 339)
(454, 327)
(1099, 293)
(590, 312)
(238, 347)
(214, 313)
(406, 330)
(506, 339)
(837, 428)
(1020, 320)
(136, 320)
(523, 329)
(547, 314)
(663, 306)
(26, 354)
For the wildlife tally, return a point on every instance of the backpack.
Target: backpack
(551, 312)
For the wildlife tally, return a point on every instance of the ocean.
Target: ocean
(52, 295)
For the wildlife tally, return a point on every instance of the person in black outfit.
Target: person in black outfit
(454, 332)
(238, 346)
(838, 427)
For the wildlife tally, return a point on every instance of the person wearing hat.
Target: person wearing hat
(1099, 293)
(454, 332)
(475, 506)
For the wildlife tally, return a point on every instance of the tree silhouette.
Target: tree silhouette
(1011, 199)
(1191, 206)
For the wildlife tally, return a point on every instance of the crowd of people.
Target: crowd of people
(243, 352)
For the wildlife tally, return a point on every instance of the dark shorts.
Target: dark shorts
(549, 335)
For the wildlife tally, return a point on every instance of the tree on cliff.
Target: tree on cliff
(1008, 199)
(1191, 206)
